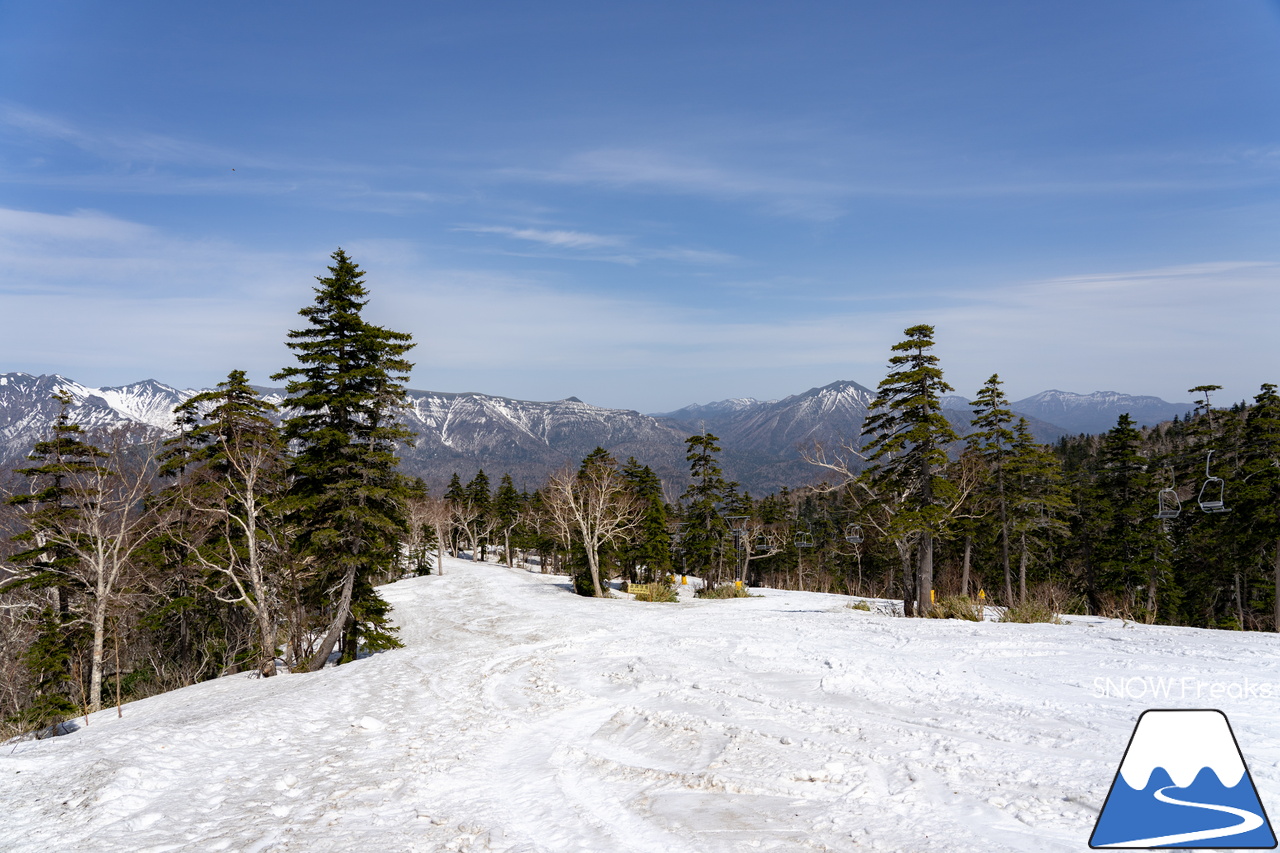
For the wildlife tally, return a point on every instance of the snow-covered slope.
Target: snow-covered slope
(464, 432)
(522, 718)
(27, 410)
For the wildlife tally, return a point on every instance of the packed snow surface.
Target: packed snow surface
(521, 717)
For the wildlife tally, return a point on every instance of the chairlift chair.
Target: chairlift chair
(1168, 505)
(853, 533)
(1213, 492)
(804, 539)
(1211, 495)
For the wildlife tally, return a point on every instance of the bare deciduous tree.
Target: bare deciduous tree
(594, 504)
(244, 533)
(112, 523)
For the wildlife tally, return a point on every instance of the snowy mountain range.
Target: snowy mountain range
(463, 432)
(1098, 411)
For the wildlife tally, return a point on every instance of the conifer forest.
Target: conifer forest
(254, 539)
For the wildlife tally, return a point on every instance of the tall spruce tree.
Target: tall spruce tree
(907, 448)
(347, 394)
(482, 523)
(705, 529)
(506, 513)
(992, 439)
(1119, 525)
(1038, 500)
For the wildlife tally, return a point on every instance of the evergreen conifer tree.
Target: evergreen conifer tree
(480, 502)
(347, 395)
(908, 438)
(992, 439)
(506, 512)
(650, 544)
(705, 528)
(1038, 499)
(44, 563)
(1120, 528)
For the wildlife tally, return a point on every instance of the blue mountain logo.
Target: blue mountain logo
(1183, 784)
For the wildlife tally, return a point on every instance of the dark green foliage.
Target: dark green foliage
(48, 659)
(505, 510)
(347, 497)
(1123, 543)
(646, 556)
(702, 544)
(48, 568)
(992, 440)
(52, 501)
(479, 501)
(907, 448)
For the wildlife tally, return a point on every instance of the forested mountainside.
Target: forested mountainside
(465, 432)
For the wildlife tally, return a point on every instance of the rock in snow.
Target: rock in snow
(520, 717)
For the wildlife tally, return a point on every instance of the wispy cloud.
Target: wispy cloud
(561, 239)
(608, 248)
(111, 145)
(139, 162)
(106, 300)
(1157, 331)
(823, 189)
(650, 170)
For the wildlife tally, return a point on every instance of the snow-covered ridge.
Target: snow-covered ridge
(763, 441)
(1098, 412)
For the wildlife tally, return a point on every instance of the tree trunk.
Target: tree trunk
(1239, 601)
(964, 574)
(909, 577)
(321, 657)
(593, 562)
(1004, 545)
(1152, 584)
(99, 640)
(350, 641)
(1022, 571)
(267, 637)
(1277, 569)
(924, 585)
(440, 539)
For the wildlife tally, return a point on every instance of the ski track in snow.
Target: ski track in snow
(522, 718)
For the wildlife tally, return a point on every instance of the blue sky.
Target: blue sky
(649, 205)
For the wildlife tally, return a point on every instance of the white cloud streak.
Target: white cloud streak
(106, 301)
(557, 238)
